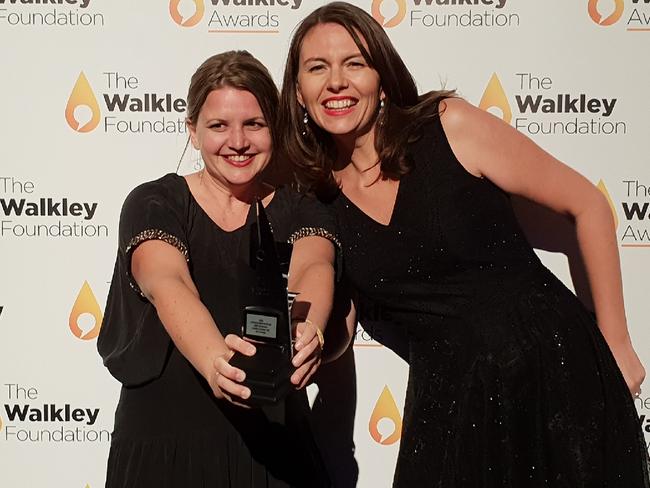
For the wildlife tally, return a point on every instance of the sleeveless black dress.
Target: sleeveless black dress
(511, 383)
(170, 431)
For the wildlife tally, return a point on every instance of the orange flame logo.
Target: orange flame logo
(495, 96)
(86, 303)
(186, 13)
(82, 96)
(396, 20)
(385, 422)
(611, 18)
(601, 186)
(0, 423)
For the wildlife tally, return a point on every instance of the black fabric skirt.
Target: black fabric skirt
(172, 433)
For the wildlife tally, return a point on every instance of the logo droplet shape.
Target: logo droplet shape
(82, 111)
(603, 189)
(84, 306)
(186, 13)
(495, 96)
(385, 422)
(612, 18)
(396, 20)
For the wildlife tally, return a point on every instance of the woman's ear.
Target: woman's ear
(299, 96)
(192, 130)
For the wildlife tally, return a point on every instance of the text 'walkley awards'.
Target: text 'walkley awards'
(632, 219)
(233, 16)
(613, 13)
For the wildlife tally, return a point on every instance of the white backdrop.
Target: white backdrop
(93, 95)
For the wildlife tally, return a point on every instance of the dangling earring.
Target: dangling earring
(381, 111)
(198, 160)
(305, 121)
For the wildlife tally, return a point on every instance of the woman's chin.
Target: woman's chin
(340, 130)
(239, 181)
(346, 128)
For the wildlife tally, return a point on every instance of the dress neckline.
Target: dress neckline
(207, 216)
(368, 217)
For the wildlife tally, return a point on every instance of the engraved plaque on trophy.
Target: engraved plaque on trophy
(266, 317)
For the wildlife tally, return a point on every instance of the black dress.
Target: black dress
(511, 383)
(170, 431)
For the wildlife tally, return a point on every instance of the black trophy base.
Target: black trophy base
(268, 374)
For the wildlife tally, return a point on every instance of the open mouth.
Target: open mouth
(239, 160)
(339, 106)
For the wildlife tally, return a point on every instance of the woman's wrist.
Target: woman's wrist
(319, 333)
(320, 336)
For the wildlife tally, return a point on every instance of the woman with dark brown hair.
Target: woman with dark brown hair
(512, 382)
(173, 316)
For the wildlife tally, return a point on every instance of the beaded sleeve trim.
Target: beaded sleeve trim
(150, 235)
(156, 234)
(314, 231)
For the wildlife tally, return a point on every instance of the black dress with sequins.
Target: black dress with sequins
(170, 430)
(511, 383)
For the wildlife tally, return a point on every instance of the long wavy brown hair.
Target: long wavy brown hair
(314, 153)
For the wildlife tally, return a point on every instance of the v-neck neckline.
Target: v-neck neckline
(391, 219)
(207, 216)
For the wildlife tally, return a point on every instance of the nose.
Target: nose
(337, 80)
(238, 141)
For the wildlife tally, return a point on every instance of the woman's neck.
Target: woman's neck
(230, 196)
(358, 158)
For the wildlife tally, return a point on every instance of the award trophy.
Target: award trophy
(266, 318)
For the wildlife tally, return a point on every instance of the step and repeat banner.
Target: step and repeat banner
(93, 95)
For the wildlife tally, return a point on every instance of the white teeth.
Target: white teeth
(238, 158)
(337, 104)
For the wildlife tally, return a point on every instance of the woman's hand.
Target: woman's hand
(307, 358)
(225, 380)
(630, 365)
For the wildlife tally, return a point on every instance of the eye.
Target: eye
(218, 126)
(314, 68)
(356, 64)
(256, 124)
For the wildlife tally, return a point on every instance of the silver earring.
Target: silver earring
(380, 112)
(198, 161)
(305, 121)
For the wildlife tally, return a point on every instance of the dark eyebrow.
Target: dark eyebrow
(351, 56)
(323, 60)
(259, 118)
(308, 60)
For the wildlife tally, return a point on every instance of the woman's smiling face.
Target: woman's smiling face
(233, 136)
(340, 91)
